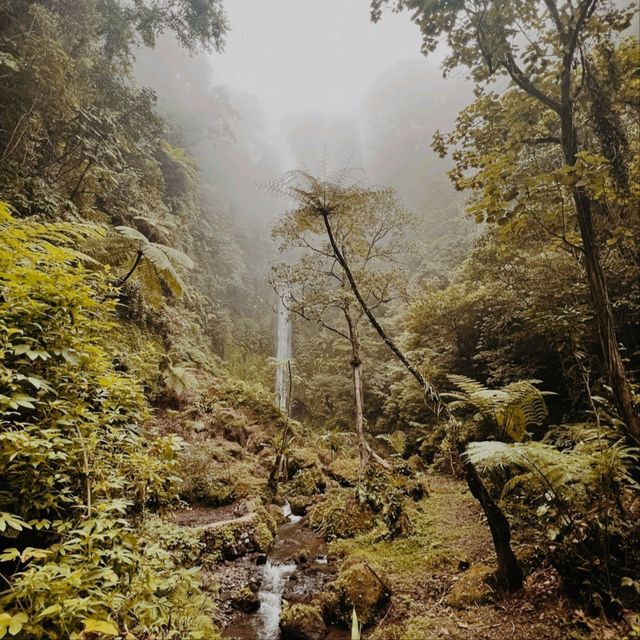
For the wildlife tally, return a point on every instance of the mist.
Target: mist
(314, 86)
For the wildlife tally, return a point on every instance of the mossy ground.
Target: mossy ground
(434, 573)
(433, 596)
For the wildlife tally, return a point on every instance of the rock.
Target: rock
(302, 622)
(245, 600)
(231, 539)
(261, 559)
(463, 565)
(254, 584)
(301, 504)
(307, 482)
(303, 557)
(358, 585)
(275, 512)
(341, 515)
(472, 588)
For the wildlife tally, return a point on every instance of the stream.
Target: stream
(296, 568)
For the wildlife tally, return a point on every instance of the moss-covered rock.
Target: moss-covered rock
(359, 586)
(344, 471)
(236, 538)
(307, 482)
(329, 603)
(245, 600)
(300, 459)
(264, 531)
(275, 512)
(302, 622)
(300, 505)
(472, 588)
(340, 514)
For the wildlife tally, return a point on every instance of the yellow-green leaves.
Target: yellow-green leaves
(67, 442)
(12, 624)
(9, 521)
(103, 627)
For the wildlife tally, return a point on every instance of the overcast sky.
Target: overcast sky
(311, 56)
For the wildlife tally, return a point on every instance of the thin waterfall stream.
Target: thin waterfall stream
(297, 565)
(283, 354)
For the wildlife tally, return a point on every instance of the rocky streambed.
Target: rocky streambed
(266, 594)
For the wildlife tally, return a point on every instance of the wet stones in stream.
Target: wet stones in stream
(292, 577)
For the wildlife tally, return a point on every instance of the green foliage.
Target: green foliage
(507, 412)
(153, 264)
(580, 480)
(306, 482)
(341, 514)
(104, 570)
(75, 460)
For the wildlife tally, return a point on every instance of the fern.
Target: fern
(593, 464)
(396, 440)
(156, 266)
(508, 411)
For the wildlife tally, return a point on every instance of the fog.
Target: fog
(310, 56)
(308, 84)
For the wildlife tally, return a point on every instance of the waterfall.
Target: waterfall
(274, 579)
(283, 354)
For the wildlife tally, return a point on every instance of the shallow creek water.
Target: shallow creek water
(296, 568)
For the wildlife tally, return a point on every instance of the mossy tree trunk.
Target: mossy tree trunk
(356, 367)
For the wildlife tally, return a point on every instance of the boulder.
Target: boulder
(302, 622)
(231, 539)
(245, 600)
(359, 586)
(472, 588)
(301, 504)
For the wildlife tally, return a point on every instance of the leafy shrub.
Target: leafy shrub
(341, 514)
(76, 464)
(579, 480)
(104, 570)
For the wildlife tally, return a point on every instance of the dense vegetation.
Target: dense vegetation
(135, 329)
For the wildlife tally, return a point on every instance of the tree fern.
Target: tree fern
(508, 411)
(155, 265)
(599, 462)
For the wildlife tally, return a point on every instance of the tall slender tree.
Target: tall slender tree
(313, 285)
(327, 204)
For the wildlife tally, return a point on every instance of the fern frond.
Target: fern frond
(131, 234)
(467, 385)
(513, 483)
(178, 257)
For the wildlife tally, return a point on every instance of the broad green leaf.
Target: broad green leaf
(101, 626)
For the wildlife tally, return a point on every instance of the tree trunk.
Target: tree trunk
(120, 281)
(365, 450)
(614, 365)
(604, 317)
(356, 364)
(362, 443)
(509, 573)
